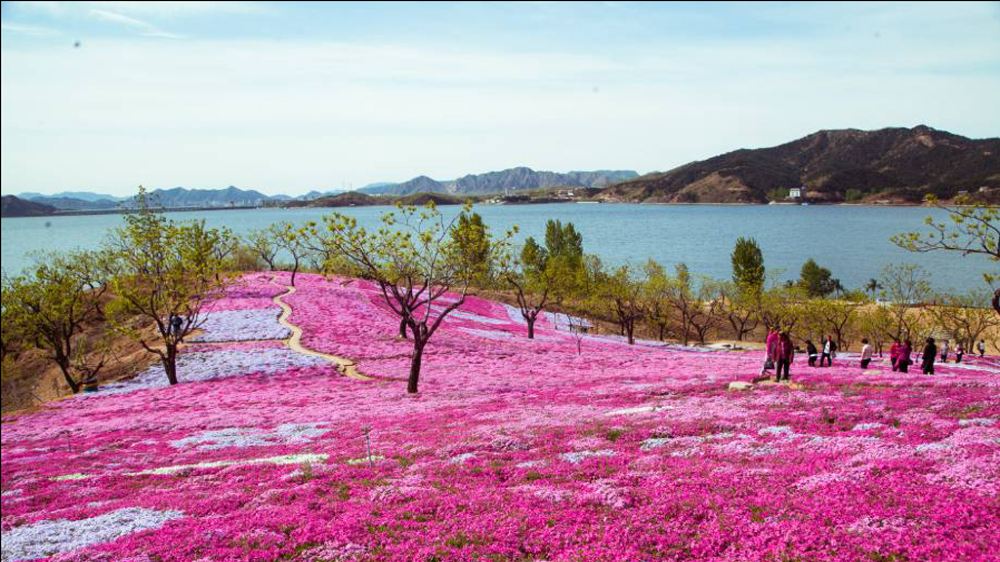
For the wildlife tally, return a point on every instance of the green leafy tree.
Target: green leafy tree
(817, 281)
(49, 305)
(739, 307)
(971, 228)
(748, 265)
(535, 283)
(656, 293)
(471, 239)
(293, 242)
(623, 293)
(262, 243)
(543, 275)
(414, 260)
(162, 269)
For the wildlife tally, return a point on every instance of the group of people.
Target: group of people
(780, 352)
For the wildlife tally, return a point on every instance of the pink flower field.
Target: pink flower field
(513, 450)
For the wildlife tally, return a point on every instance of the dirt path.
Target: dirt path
(344, 365)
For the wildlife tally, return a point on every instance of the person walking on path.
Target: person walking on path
(176, 322)
(981, 346)
(829, 348)
(903, 362)
(812, 352)
(929, 355)
(770, 344)
(866, 353)
(959, 352)
(944, 352)
(894, 354)
(786, 354)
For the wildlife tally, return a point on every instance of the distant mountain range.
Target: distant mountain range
(172, 198)
(895, 165)
(504, 181)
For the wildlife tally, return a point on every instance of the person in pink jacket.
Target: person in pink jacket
(894, 353)
(770, 345)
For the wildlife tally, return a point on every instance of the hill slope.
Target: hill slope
(897, 163)
(16, 207)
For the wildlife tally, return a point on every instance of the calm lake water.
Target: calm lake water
(852, 241)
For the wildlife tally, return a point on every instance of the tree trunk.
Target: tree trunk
(418, 352)
(402, 328)
(531, 327)
(170, 363)
(73, 385)
(294, 271)
(630, 330)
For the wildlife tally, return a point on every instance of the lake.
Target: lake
(851, 241)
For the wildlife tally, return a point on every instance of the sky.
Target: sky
(289, 97)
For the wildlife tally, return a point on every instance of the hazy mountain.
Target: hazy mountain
(13, 206)
(316, 195)
(81, 195)
(513, 179)
(228, 197)
(896, 164)
(66, 203)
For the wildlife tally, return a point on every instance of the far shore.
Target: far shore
(120, 211)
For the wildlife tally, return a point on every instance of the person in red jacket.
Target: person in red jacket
(785, 353)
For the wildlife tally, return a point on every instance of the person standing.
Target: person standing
(829, 348)
(944, 352)
(981, 346)
(866, 353)
(959, 352)
(929, 355)
(812, 352)
(786, 353)
(903, 361)
(770, 344)
(894, 354)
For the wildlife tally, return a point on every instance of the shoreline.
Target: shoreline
(87, 212)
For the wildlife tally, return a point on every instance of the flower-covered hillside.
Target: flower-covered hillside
(514, 449)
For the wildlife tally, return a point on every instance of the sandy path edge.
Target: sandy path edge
(294, 342)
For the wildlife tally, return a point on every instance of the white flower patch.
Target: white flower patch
(783, 430)
(977, 421)
(460, 459)
(470, 316)
(242, 325)
(279, 460)
(654, 443)
(48, 538)
(365, 460)
(577, 457)
(288, 433)
(867, 426)
(636, 410)
(208, 365)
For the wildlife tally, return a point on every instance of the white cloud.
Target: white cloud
(142, 27)
(33, 30)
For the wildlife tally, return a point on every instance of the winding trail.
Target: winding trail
(294, 342)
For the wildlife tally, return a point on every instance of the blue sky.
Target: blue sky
(287, 97)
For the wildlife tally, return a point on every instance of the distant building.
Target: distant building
(796, 192)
